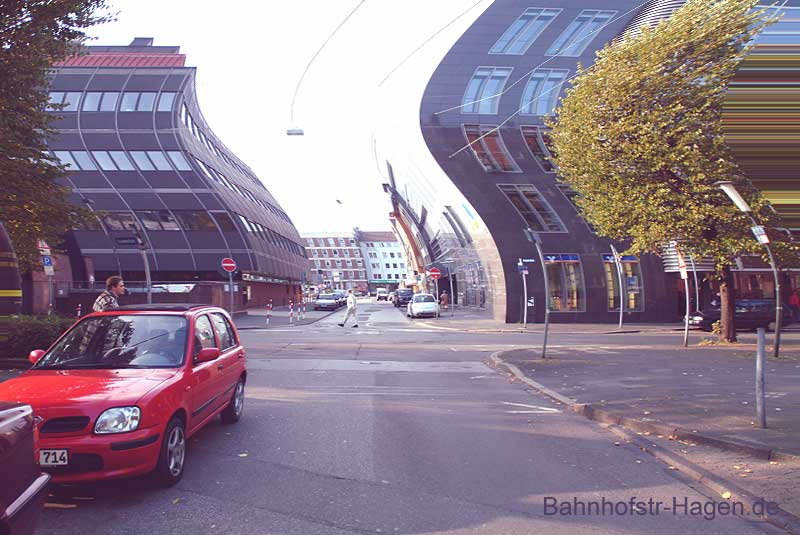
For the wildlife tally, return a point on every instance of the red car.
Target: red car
(121, 391)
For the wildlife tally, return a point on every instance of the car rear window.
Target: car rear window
(424, 299)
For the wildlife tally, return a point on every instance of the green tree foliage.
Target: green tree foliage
(34, 34)
(639, 137)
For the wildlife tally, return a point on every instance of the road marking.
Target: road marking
(536, 409)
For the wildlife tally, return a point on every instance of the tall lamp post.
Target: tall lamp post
(730, 190)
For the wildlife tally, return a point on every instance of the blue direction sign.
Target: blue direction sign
(529, 260)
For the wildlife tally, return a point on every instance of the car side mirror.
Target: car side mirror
(207, 354)
(35, 355)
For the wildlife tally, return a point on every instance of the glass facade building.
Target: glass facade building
(141, 156)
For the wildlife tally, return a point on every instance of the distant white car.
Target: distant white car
(423, 305)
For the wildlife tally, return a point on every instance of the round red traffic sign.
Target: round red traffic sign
(229, 265)
(435, 273)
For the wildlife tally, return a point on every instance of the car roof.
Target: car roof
(162, 307)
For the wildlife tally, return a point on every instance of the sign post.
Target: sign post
(47, 264)
(685, 277)
(523, 271)
(229, 265)
(435, 273)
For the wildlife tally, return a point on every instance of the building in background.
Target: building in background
(143, 158)
(336, 261)
(386, 260)
(473, 173)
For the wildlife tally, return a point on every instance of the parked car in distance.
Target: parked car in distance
(382, 294)
(422, 305)
(23, 490)
(403, 297)
(326, 302)
(122, 391)
(391, 296)
(748, 314)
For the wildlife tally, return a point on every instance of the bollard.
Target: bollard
(303, 316)
(291, 313)
(78, 310)
(269, 310)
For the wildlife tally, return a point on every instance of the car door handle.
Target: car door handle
(220, 367)
(240, 355)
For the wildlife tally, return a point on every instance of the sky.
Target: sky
(249, 59)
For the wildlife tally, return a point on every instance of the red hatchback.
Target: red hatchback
(120, 392)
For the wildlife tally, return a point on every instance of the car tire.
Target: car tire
(172, 458)
(233, 412)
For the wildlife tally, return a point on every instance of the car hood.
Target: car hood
(87, 391)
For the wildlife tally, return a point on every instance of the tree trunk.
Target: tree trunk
(727, 330)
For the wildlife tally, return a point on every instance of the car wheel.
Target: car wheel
(232, 413)
(172, 459)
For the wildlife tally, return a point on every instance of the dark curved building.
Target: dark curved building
(143, 157)
(469, 206)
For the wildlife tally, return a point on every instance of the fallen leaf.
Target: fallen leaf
(737, 466)
(726, 495)
(60, 505)
(773, 462)
(638, 461)
(616, 443)
(243, 455)
(748, 471)
(671, 468)
(176, 501)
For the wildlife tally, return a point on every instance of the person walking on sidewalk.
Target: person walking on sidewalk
(444, 299)
(351, 309)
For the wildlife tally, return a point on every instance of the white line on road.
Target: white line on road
(536, 408)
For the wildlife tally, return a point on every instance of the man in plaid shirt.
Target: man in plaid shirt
(107, 300)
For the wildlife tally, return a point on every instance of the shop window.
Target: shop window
(565, 280)
(631, 280)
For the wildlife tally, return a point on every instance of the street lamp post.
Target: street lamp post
(730, 190)
(531, 235)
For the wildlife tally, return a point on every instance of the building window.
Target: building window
(195, 220)
(141, 160)
(120, 221)
(159, 160)
(97, 101)
(565, 280)
(104, 160)
(224, 221)
(489, 149)
(533, 208)
(121, 160)
(537, 138)
(179, 160)
(70, 100)
(631, 281)
(165, 101)
(484, 88)
(137, 101)
(580, 32)
(77, 159)
(376, 276)
(157, 220)
(540, 96)
(524, 31)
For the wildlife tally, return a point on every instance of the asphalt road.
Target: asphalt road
(392, 428)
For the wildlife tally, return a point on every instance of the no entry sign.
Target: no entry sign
(435, 273)
(229, 265)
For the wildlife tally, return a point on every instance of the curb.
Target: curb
(524, 331)
(602, 415)
(623, 426)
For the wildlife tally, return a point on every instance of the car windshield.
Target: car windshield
(404, 292)
(124, 341)
(424, 299)
(326, 298)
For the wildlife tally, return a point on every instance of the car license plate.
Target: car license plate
(53, 458)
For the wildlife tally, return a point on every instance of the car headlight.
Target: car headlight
(118, 420)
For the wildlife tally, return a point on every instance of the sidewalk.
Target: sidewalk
(480, 321)
(692, 408)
